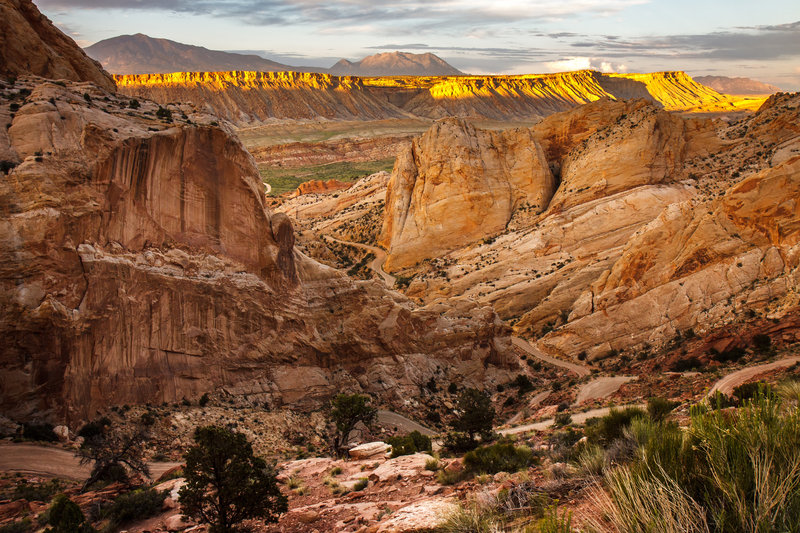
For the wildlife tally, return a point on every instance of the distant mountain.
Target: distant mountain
(724, 84)
(395, 64)
(141, 54)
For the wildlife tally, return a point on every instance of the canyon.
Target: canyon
(142, 264)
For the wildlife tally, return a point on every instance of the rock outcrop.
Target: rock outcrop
(659, 224)
(31, 44)
(141, 265)
(457, 184)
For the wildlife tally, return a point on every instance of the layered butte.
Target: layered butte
(247, 97)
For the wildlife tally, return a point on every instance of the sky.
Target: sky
(759, 40)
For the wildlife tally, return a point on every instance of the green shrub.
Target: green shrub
(660, 408)
(20, 526)
(607, 429)
(762, 342)
(336, 470)
(730, 355)
(164, 114)
(203, 401)
(748, 391)
(66, 517)
(735, 471)
(432, 464)
(135, 505)
(499, 457)
(36, 492)
(412, 443)
(523, 383)
(562, 419)
(458, 443)
(361, 484)
(41, 432)
(553, 522)
(134, 104)
(451, 477)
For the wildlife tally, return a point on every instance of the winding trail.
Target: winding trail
(579, 370)
(726, 384)
(377, 264)
(57, 462)
(577, 418)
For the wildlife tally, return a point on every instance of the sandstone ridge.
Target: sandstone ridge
(245, 97)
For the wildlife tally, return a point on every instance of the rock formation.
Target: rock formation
(457, 184)
(141, 264)
(244, 97)
(659, 224)
(31, 44)
(247, 97)
(726, 85)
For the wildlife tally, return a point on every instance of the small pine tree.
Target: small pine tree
(226, 483)
(475, 413)
(347, 410)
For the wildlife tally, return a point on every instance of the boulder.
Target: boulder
(425, 515)
(370, 450)
(62, 432)
(403, 467)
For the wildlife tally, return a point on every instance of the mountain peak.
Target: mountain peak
(142, 54)
(396, 63)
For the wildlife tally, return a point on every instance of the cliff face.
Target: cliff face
(31, 44)
(245, 97)
(248, 96)
(456, 184)
(140, 264)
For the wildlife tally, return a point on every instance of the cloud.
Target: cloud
(390, 13)
(753, 43)
(584, 63)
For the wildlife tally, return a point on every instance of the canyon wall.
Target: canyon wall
(140, 264)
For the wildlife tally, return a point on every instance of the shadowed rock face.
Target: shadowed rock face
(31, 44)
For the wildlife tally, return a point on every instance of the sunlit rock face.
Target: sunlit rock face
(31, 44)
(247, 97)
(456, 184)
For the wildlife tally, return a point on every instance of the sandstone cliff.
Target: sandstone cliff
(140, 264)
(31, 44)
(457, 184)
(244, 97)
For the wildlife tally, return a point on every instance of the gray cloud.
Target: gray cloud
(756, 43)
(497, 53)
(424, 14)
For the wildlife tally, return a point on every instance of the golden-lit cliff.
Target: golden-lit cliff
(245, 97)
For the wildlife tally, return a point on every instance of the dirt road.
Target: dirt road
(377, 264)
(389, 418)
(734, 379)
(527, 347)
(56, 462)
(602, 387)
(577, 418)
